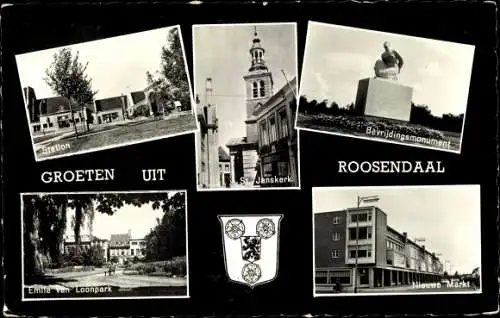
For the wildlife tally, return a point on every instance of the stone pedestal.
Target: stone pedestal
(384, 98)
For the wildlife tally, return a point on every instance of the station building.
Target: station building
(385, 257)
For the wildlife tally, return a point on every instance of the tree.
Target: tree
(94, 256)
(66, 77)
(171, 82)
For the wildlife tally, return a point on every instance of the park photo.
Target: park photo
(107, 93)
(396, 240)
(384, 87)
(246, 97)
(104, 245)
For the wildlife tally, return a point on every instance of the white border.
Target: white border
(222, 189)
(282, 216)
(23, 299)
(375, 138)
(315, 295)
(193, 106)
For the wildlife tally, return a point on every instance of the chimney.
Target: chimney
(208, 91)
(129, 233)
(405, 235)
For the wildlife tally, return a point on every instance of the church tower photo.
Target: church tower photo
(255, 122)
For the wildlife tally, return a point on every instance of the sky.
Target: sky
(139, 220)
(337, 57)
(222, 53)
(116, 65)
(448, 217)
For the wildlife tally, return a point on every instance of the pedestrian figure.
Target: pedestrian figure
(111, 269)
(337, 286)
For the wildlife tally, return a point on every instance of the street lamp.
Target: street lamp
(361, 199)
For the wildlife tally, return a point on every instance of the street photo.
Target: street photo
(107, 93)
(104, 245)
(396, 240)
(245, 86)
(384, 87)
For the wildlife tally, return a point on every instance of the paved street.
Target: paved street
(117, 134)
(75, 283)
(402, 289)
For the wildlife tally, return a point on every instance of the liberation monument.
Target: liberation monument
(382, 95)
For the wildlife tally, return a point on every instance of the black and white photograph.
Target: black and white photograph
(246, 91)
(104, 245)
(392, 240)
(384, 87)
(107, 93)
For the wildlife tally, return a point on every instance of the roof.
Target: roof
(55, 105)
(239, 141)
(109, 103)
(223, 156)
(137, 96)
(119, 238)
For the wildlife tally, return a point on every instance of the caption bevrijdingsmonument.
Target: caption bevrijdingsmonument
(383, 95)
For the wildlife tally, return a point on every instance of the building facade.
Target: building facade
(277, 137)
(54, 114)
(121, 247)
(384, 256)
(208, 153)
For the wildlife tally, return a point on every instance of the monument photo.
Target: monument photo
(384, 87)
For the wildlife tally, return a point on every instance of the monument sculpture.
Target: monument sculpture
(382, 95)
(390, 63)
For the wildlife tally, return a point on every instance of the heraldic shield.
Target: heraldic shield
(251, 245)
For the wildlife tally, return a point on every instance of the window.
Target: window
(203, 168)
(363, 251)
(336, 236)
(255, 90)
(123, 252)
(336, 220)
(44, 125)
(268, 170)
(364, 233)
(359, 217)
(283, 169)
(335, 254)
(134, 243)
(272, 129)
(283, 124)
(262, 89)
(264, 134)
(132, 252)
(320, 278)
(343, 277)
(36, 128)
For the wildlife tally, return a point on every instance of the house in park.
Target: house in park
(86, 241)
(124, 248)
(111, 109)
(54, 114)
(360, 238)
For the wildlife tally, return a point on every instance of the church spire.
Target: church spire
(257, 54)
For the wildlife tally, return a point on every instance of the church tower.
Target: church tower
(259, 86)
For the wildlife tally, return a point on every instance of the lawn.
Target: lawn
(122, 134)
(357, 126)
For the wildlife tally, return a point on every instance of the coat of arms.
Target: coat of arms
(251, 248)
